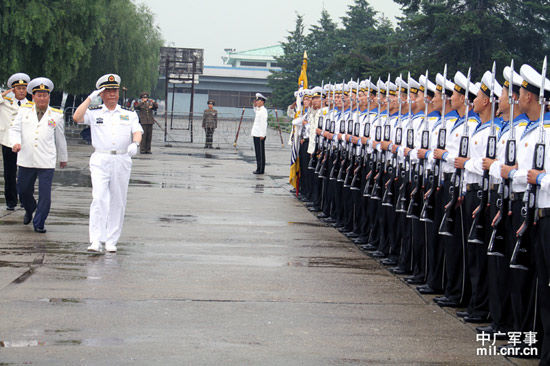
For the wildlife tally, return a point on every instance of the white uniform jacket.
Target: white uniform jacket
(41, 141)
(112, 130)
(259, 128)
(8, 111)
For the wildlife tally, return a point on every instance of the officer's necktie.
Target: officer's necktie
(19, 103)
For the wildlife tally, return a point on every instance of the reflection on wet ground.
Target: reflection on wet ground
(72, 178)
(177, 218)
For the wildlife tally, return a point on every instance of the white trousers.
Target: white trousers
(110, 178)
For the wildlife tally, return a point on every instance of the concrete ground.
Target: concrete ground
(215, 266)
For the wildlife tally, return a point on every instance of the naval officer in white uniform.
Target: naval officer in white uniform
(38, 136)
(116, 135)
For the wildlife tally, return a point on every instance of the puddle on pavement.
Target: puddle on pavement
(313, 224)
(336, 262)
(72, 178)
(259, 188)
(178, 218)
(58, 300)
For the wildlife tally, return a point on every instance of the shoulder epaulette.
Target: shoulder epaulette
(56, 110)
(94, 108)
(522, 124)
(28, 105)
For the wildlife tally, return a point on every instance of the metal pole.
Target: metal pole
(192, 97)
(166, 74)
(172, 112)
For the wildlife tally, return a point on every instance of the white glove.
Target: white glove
(132, 149)
(95, 93)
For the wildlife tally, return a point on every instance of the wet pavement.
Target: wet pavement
(215, 266)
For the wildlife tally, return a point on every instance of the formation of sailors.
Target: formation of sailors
(444, 182)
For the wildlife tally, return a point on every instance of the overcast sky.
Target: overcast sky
(242, 24)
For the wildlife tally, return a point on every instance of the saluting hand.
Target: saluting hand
(6, 92)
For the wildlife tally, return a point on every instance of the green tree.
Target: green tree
(284, 82)
(73, 42)
(473, 33)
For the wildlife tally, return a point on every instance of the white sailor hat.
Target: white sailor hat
(316, 92)
(327, 88)
(413, 85)
(259, 96)
(431, 86)
(40, 84)
(391, 87)
(308, 93)
(108, 81)
(449, 85)
(353, 85)
(337, 88)
(18, 79)
(516, 79)
(402, 85)
(369, 85)
(485, 85)
(460, 85)
(532, 81)
(345, 89)
(381, 87)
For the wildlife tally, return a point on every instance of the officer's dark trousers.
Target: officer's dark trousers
(477, 262)
(145, 146)
(305, 174)
(434, 242)
(209, 132)
(457, 285)
(419, 253)
(542, 254)
(498, 269)
(522, 284)
(10, 175)
(25, 186)
(259, 148)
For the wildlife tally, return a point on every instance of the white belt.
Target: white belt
(112, 152)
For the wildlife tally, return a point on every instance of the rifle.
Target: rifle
(405, 172)
(338, 154)
(415, 207)
(477, 230)
(455, 186)
(313, 161)
(353, 158)
(381, 155)
(346, 153)
(393, 167)
(330, 126)
(362, 158)
(427, 213)
(496, 245)
(372, 158)
(238, 129)
(520, 255)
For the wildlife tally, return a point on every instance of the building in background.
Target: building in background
(232, 86)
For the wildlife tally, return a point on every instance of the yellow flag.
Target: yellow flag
(302, 80)
(294, 157)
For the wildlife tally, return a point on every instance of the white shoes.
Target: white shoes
(95, 247)
(110, 247)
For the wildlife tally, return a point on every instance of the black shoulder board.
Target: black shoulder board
(94, 108)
